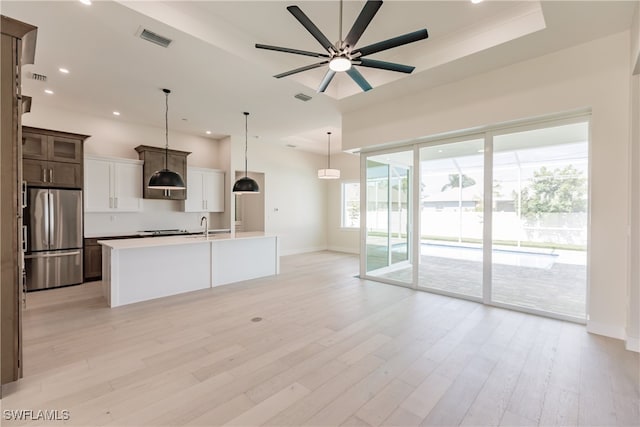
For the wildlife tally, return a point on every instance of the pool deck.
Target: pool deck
(557, 287)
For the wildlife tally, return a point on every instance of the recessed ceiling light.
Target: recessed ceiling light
(439, 151)
(63, 70)
(208, 132)
(87, 2)
(481, 150)
(48, 91)
(116, 113)
(476, 1)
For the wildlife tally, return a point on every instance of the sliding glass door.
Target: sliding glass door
(540, 204)
(501, 217)
(387, 222)
(451, 217)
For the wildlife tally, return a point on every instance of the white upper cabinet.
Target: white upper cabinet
(205, 190)
(112, 185)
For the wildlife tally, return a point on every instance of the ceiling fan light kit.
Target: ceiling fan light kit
(343, 56)
(340, 63)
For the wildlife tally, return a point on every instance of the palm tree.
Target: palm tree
(454, 181)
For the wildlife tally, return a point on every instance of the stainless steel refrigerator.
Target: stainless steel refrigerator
(53, 221)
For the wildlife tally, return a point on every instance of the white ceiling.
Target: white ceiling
(215, 73)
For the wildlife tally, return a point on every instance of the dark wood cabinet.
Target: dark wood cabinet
(17, 47)
(52, 158)
(92, 260)
(154, 160)
(92, 263)
(34, 146)
(34, 171)
(42, 174)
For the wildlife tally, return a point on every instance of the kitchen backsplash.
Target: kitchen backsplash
(157, 215)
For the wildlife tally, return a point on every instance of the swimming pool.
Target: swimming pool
(522, 258)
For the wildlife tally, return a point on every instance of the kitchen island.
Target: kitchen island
(135, 270)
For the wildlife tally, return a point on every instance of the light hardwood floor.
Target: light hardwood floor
(330, 350)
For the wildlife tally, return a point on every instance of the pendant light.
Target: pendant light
(328, 173)
(166, 179)
(246, 185)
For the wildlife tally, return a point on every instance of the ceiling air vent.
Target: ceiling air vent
(39, 77)
(155, 38)
(302, 97)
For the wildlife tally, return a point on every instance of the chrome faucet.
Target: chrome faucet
(206, 226)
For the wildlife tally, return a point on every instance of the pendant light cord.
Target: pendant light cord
(246, 143)
(329, 151)
(166, 128)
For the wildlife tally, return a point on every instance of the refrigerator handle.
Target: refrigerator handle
(41, 234)
(51, 222)
(24, 291)
(24, 238)
(24, 194)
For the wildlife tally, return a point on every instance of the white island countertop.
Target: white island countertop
(141, 269)
(178, 240)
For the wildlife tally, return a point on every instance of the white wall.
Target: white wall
(338, 238)
(295, 199)
(594, 75)
(117, 138)
(635, 40)
(633, 316)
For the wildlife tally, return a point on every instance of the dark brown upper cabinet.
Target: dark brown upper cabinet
(52, 158)
(154, 158)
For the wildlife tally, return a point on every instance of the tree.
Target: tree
(558, 191)
(454, 181)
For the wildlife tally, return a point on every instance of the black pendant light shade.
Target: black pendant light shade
(165, 179)
(246, 185)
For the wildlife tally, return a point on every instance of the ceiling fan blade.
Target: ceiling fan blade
(301, 69)
(391, 43)
(311, 27)
(357, 77)
(383, 65)
(326, 80)
(289, 50)
(362, 22)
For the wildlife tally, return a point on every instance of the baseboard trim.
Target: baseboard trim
(606, 330)
(302, 250)
(343, 249)
(632, 344)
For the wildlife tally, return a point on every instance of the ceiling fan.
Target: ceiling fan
(342, 56)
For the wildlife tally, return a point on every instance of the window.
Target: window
(351, 205)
